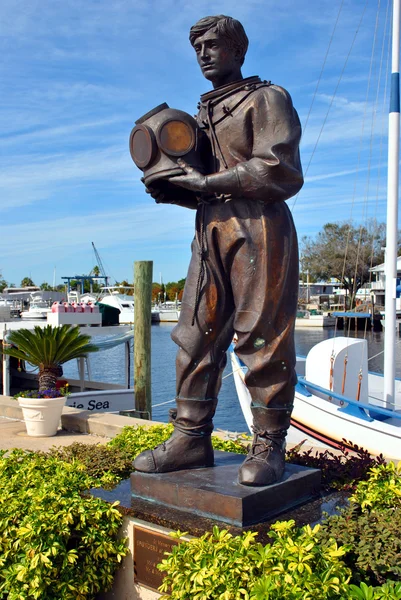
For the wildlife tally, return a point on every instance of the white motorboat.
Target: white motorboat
(307, 318)
(124, 303)
(169, 312)
(38, 308)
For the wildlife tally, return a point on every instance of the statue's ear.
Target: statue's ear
(238, 54)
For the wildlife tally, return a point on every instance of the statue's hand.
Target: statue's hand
(156, 194)
(192, 180)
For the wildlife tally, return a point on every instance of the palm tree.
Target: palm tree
(48, 348)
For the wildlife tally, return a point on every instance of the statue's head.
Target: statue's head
(220, 44)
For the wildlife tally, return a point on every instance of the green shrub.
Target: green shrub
(374, 549)
(388, 591)
(368, 526)
(239, 445)
(55, 543)
(295, 565)
(135, 439)
(106, 464)
(381, 490)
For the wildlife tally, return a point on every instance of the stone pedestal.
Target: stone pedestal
(148, 522)
(215, 493)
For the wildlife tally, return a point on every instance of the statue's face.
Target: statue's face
(216, 59)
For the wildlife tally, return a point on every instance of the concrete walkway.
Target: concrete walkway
(13, 435)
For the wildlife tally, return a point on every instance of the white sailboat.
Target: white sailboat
(336, 398)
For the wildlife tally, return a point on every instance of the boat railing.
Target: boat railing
(355, 408)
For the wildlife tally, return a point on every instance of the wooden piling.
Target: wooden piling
(143, 271)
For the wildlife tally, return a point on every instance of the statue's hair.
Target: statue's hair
(227, 27)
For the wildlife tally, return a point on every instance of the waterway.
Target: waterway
(109, 366)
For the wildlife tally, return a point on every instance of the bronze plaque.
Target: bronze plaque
(149, 549)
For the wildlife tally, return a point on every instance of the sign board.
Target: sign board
(149, 549)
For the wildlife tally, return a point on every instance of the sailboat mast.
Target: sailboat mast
(392, 214)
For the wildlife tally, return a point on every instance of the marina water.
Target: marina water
(108, 366)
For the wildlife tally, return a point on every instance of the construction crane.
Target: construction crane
(100, 264)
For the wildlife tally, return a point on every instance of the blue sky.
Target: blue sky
(75, 75)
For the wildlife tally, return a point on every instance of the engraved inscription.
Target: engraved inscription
(149, 549)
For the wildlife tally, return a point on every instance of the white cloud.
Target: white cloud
(151, 224)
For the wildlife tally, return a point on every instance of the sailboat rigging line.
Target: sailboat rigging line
(322, 70)
(358, 393)
(367, 185)
(384, 104)
(344, 372)
(333, 97)
(368, 180)
(234, 371)
(163, 403)
(332, 357)
(376, 355)
(359, 159)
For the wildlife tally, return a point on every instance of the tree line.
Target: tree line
(345, 252)
(170, 291)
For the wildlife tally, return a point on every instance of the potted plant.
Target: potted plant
(47, 348)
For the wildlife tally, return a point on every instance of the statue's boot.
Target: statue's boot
(264, 463)
(190, 446)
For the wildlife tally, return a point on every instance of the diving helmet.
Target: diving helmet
(159, 139)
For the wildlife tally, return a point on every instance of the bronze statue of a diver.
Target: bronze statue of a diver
(243, 275)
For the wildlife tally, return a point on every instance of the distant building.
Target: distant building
(377, 288)
(318, 292)
(21, 290)
(23, 294)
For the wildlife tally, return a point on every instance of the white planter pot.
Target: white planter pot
(42, 415)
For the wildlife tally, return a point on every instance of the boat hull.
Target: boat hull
(326, 421)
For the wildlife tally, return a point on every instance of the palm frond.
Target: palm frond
(49, 346)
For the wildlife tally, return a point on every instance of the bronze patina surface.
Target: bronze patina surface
(216, 494)
(243, 275)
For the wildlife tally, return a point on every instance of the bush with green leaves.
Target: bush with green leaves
(297, 565)
(388, 591)
(364, 563)
(136, 439)
(368, 525)
(55, 541)
(294, 566)
(106, 464)
(381, 490)
(58, 543)
(374, 549)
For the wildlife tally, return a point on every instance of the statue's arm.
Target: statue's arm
(273, 172)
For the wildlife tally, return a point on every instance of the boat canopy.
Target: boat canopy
(361, 315)
(115, 340)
